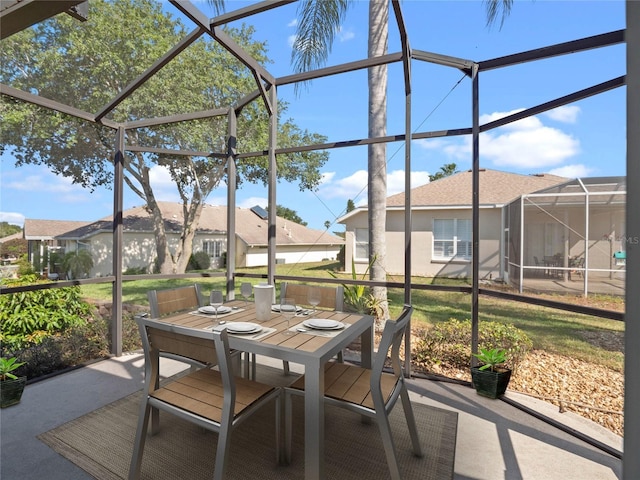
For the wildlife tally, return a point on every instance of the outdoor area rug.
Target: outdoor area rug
(101, 443)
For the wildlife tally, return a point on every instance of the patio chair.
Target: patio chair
(173, 300)
(538, 272)
(212, 399)
(331, 298)
(371, 392)
(180, 299)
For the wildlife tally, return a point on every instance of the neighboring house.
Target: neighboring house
(441, 225)
(295, 243)
(565, 231)
(44, 233)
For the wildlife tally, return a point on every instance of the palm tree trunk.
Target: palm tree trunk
(377, 153)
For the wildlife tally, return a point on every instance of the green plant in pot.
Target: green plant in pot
(491, 378)
(11, 386)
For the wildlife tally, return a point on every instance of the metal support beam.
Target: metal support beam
(343, 68)
(475, 211)
(53, 105)
(558, 102)
(588, 43)
(150, 72)
(232, 141)
(273, 170)
(408, 229)
(248, 11)
(630, 460)
(181, 117)
(118, 195)
(445, 60)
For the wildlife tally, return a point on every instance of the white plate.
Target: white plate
(209, 310)
(323, 324)
(276, 308)
(243, 327)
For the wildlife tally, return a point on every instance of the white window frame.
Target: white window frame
(361, 242)
(460, 237)
(213, 248)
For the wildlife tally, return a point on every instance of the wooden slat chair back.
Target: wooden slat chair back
(331, 298)
(372, 392)
(172, 300)
(213, 399)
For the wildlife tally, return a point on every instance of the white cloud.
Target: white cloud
(164, 188)
(355, 186)
(253, 201)
(13, 218)
(432, 143)
(395, 181)
(527, 143)
(327, 177)
(44, 182)
(293, 23)
(572, 171)
(345, 35)
(566, 114)
(291, 40)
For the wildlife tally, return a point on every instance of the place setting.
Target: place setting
(320, 326)
(248, 330)
(216, 307)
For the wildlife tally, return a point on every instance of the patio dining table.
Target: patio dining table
(307, 347)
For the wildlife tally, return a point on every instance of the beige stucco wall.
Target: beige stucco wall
(139, 250)
(422, 263)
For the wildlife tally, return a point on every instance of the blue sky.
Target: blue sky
(586, 138)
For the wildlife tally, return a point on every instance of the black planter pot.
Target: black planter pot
(11, 391)
(490, 384)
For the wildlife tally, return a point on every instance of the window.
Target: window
(212, 248)
(451, 238)
(362, 244)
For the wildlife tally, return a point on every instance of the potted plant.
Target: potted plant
(491, 378)
(11, 386)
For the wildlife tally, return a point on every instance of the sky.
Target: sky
(583, 139)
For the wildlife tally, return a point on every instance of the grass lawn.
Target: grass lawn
(579, 336)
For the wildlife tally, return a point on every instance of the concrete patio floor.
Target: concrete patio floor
(495, 440)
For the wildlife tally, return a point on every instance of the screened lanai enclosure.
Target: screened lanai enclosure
(569, 238)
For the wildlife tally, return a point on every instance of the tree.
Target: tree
(289, 214)
(7, 229)
(317, 25)
(77, 264)
(87, 64)
(445, 171)
(14, 247)
(319, 21)
(350, 206)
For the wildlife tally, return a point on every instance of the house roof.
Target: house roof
(250, 228)
(49, 229)
(13, 236)
(496, 188)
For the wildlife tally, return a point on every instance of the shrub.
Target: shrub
(77, 264)
(135, 271)
(449, 343)
(199, 261)
(26, 317)
(24, 267)
(78, 344)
